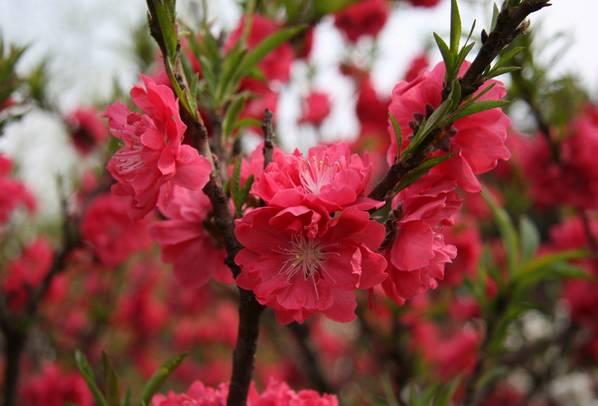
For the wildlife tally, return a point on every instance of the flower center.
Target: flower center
(303, 255)
(316, 174)
(129, 160)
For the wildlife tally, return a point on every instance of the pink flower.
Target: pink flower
(152, 155)
(330, 177)
(279, 393)
(112, 234)
(419, 253)
(466, 238)
(26, 272)
(141, 309)
(572, 177)
(480, 139)
(275, 66)
(371, 109)
(366, 17)
(275, 394)
(14, 193)
(450, 353)
(299, 261)
(417, 65)
(87, 129)
(316, 107)
(183, 238)
(56, 387)
(424, 3)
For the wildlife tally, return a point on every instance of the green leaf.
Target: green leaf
(389, 394)
(507, 56)
(463, 54)
(474, 108)
(127, 401)
(159, 377)
(445, 394)
(229, 78)
(428, 125)
(261, 50)
(323, 7)
(530, 238)
(455, 95)
(506, 229)
(89, 378)
(246, 188)
(546, 260)
(165, 17)
(501, 71)
(232, 115)
(397, 131)
(239, 194)
(423, 168)
(492, 375)
(110, 381)
(445, 52)
(247, 122)
(455, 28)
(495, 13)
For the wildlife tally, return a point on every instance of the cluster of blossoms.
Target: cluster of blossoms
(579, 294)
(276, 393)
(566, 173)
(153, 159)
(14, 193)
(314, 243)
(56, 387)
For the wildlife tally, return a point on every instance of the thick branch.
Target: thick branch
(244, 355)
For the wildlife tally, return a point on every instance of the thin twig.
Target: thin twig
(268, 137)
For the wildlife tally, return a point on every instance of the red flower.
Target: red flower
(14, 193)
(183, 239)
(450, 354)
(371, 109)
(466, 238)
(419, 253)
(152, 155)
(55, 387)
(424, 3)
(112, 234)
(417, 65)
(26, 272)
(480, 139)
(299, 261)
(366, 17)
(330, 177)
(87, 129)
(573, 177)
(316, 107)
(276, 393)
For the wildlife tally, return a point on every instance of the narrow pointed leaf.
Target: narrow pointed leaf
(89, 378)
(159, 377)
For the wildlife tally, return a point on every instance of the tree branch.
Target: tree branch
(268, 137)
